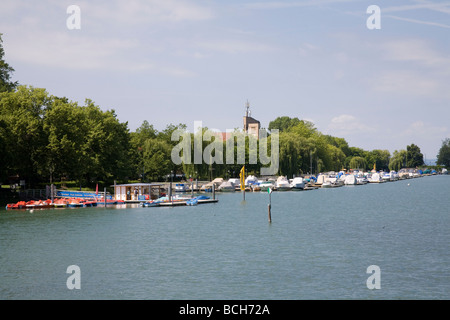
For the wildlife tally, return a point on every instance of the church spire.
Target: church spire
(247, 109)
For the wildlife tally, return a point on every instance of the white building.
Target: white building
(137, 191)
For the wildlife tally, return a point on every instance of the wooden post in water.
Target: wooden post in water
(104, 196)
(214, 191)
(270, 204)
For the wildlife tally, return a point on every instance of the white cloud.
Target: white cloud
(424, 5)
(420, 128)
(405, 82)
(348, 124)
(414, 50)
(234, 46)
(414, 67)
(133, 12)
(430, 23)
(441, 7)
(37, 34)
(292, 4)
(308, 49)
(425, 134)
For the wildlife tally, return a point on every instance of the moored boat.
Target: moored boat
(227, 186)
(298, 183)
(75, 203)
(327, 184)
(265, 185)
(283, 184)
(181, 187)
(350, 179)
(61, 203)
(39, 204)
(18, 205)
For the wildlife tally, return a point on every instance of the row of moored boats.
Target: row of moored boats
(60, 203)
(323, 180)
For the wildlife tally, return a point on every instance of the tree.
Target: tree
(398, 160)
(340, 143)
(358, 163)
(443, 156)
(414, 158)
(22, 113)
(156, 158)
(290, 156)
(105, 146)
(5, 72)
(64, 126)
(378, 157)
(283, 123)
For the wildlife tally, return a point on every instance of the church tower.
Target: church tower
(251, 125)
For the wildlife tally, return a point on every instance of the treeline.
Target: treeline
(45, 138)
(304, 149)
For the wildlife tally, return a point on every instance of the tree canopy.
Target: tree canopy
(414, 158)
(48, 137)
(443, 156)
(5, 71)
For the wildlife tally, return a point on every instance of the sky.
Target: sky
(180, 61)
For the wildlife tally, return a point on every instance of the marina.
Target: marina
(182, 194)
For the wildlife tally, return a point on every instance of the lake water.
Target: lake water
(318, 246)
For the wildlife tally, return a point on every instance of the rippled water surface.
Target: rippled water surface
(318, 246)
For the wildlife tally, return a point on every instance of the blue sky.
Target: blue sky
(180, 61)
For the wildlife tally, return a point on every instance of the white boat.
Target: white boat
(298, 183)
(361, 179)
(265, 185)
(386, 177)
(350, 179)
(327, 184)
(335, 181)
(321, 178)
(180, 187)
(236, 182)
(375, 178)
(207, 187)
(251, 180)
(282, 184)
(394, 175)
(227, 186)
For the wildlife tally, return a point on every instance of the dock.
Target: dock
(184, 202)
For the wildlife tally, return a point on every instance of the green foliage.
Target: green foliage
(378, 158)
(358, 163)
(48, 138)
(443, 156)
(398, 160)
(414, 156)
(283, 123)
(5, 72)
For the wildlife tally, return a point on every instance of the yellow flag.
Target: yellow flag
(242, 176)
